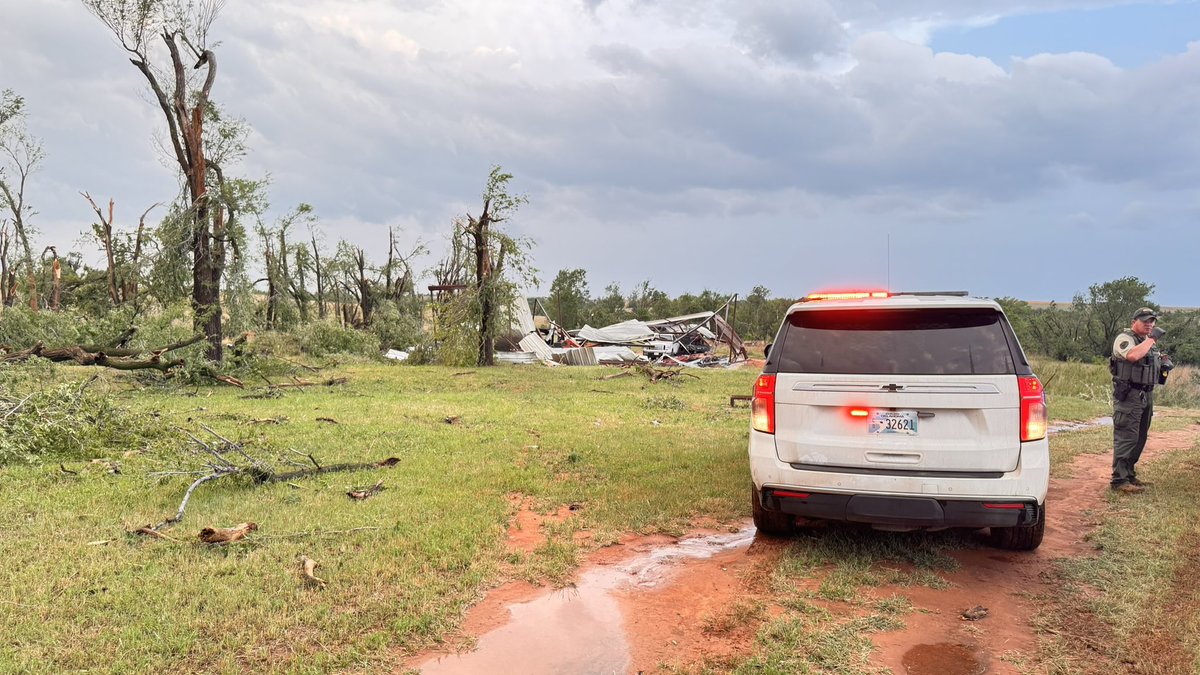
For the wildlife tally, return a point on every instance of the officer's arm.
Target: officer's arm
(1140, 351)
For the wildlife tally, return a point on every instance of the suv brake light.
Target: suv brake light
(1033, 408)
(848, 295)
(762, 407)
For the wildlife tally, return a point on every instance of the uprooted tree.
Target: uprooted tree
(168, 43)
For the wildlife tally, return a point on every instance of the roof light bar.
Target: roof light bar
(848, 295)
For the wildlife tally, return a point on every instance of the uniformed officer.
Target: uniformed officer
(1136, 365)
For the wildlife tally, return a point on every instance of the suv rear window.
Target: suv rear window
(896, 342)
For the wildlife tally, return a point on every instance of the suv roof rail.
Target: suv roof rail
(960, 294)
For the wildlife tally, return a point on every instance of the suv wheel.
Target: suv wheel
(1021, 537)
(770, 523)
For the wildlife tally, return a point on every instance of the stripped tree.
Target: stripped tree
(20, 155)
(168, 43)
(493, 248)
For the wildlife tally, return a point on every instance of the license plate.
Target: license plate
(893, 422)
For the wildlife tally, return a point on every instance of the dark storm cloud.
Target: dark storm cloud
(813, 129)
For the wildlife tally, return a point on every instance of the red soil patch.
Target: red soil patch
(678, 621)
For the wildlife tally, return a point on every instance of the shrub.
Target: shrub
(1181, 390)
(321, 338)
(393, 328)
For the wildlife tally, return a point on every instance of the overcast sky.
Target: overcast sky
(1007, 148)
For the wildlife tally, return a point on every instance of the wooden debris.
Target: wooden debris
(390, 461)
(282, 419)
(453, 419)
(308, 567)
(225, 535)
(66, 470)
(975, 613)
(330, 420)
(298, 383)
(362, 494)
(111, 467)
(623, 373)
(151, 532)
(739, 397)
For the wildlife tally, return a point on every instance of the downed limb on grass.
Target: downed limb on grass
(297, 383)
(94, 355)
(260, 472)
(225, 535)
(367, 493)
(308, 568)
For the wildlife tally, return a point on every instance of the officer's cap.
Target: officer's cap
(1145, 314)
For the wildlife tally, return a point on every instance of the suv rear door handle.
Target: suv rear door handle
(892, 387)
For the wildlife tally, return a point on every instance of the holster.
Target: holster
(1121, 390)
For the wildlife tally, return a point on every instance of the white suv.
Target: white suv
(904, 411)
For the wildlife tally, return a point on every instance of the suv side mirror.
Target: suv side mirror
(767, 350)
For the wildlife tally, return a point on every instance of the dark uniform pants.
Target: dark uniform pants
(1131, 424)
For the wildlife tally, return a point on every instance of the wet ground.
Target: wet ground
(644, 603)
(581, 628)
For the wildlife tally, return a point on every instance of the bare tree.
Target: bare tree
(188, 68)
(122, 257)
(20, 155)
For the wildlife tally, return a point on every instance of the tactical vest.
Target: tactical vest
(1143, 372)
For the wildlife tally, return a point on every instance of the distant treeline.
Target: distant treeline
(1082, 330)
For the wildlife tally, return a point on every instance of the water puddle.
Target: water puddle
(579, 629)
(945, 658)
(1060, 427)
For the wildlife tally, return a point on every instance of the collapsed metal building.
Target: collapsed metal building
(691, 339)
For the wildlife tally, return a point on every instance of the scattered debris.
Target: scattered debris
(362, 494)
(975, 613)
(623, 373)
(67, 471)
(101, 542)
(282, 419)
(329, 420)
(693, 336)
(226, 535)
(297, 383)
(151, 532)
(308, 567)
(395, 355)
(453, 419)
(111, 467)
(220, 466)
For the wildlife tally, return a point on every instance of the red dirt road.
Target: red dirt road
(671, 620)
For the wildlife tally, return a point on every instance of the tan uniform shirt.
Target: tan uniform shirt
(1122, 345)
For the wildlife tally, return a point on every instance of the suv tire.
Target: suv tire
(770, 523)
(1021, 537)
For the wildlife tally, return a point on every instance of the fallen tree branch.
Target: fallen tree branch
(307, 567)
(226, 535)
(97, 355)
(362, 494)
(298, 383)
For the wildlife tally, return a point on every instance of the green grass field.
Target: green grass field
(634, 456)
(79, 592)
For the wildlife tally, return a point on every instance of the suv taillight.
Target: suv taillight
(1033, 408)
(762, 408)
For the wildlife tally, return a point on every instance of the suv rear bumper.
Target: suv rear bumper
(906, 512)
(894, 498)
